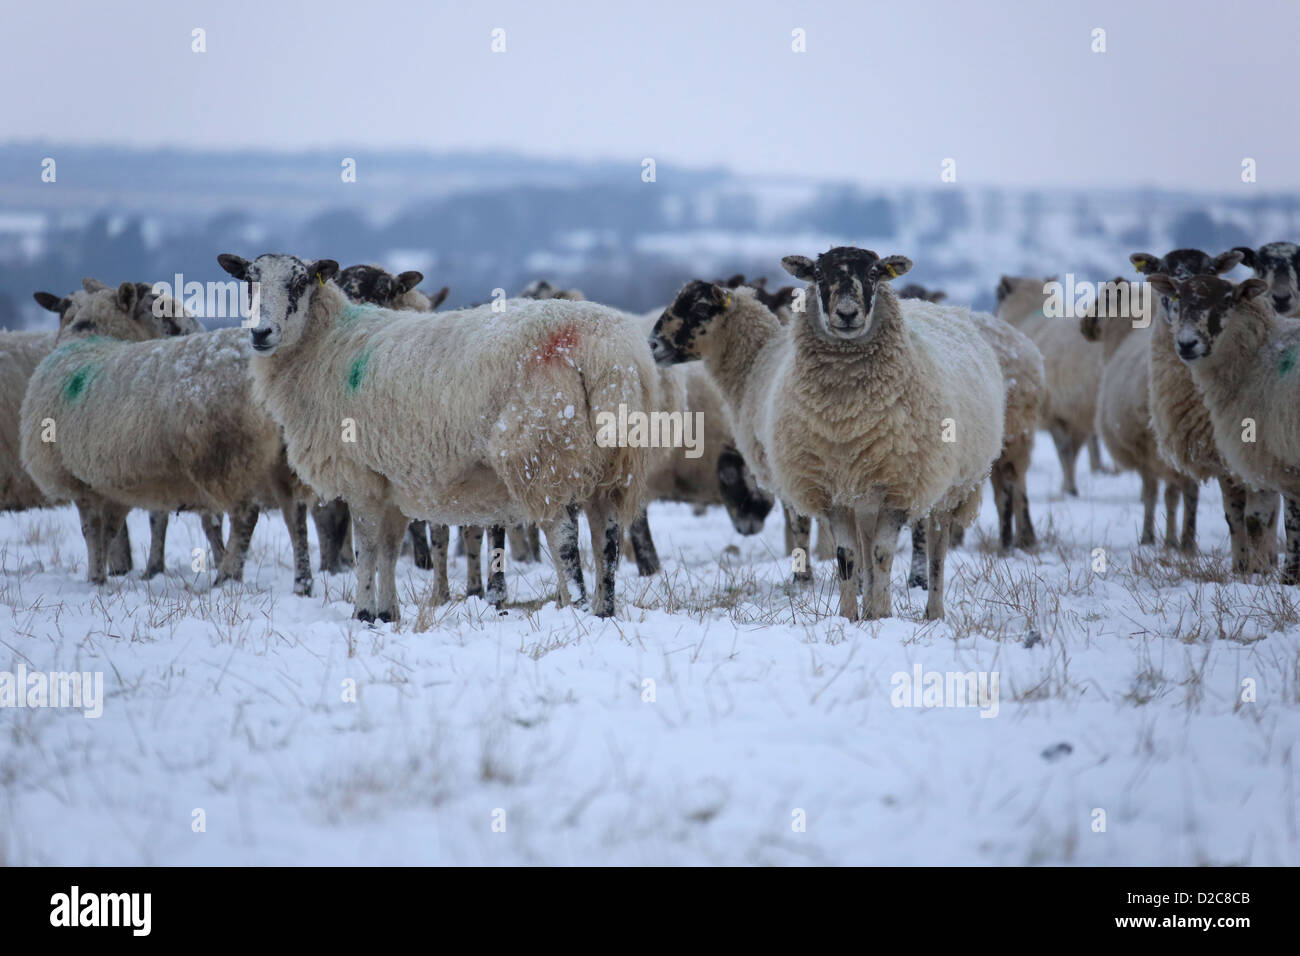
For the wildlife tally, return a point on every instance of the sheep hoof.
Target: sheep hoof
(302, 588)
(647, 569)
(802, 578)
(387, 618)
(364, 615)
(152, 571)
(474, 592)
(118, 572)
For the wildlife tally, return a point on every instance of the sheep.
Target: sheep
(1072, 370)
(1124, 413)
(163, 425)
(1183, 427)
(1278, 264)
(914, 291)
(847, 411)
(477, 417)
(1022, 372)
(373, 285)
(21, 352)
(1242, 356)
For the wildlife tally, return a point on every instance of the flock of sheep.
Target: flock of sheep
(866, 408)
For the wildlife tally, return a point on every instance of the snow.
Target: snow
(1118, 692)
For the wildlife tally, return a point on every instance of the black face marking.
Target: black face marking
(1199, 313)
(677, 333)
(843, 277)
(1185, 263)
(747, 504)
(368, 285)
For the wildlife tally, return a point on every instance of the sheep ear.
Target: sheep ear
(760, 283)
(937, 296)
(1163, 284)
(93, 285)
(890, 267)
(409, 280)
(439, 298)
(719, 296)
(126, 296)
(1250, 289)
(322, 270)
(1226, 261)
(1144, 262)
(801, 267)
(1248, 257)
(735, 282)
(48, 301)
(236, 266)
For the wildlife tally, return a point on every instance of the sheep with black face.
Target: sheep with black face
(1277, 264)
(854, 412)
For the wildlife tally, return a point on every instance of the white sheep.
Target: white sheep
(1244, 358)
(854, 412)
(1072, 371)
(163, 425)
(479, 417)
(1184, 430)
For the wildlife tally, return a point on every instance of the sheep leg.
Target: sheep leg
(119, 551)
(1171, 514)
(92, 529)
(369, 531)
(1261, 529)
(917, 576)
(1150, 489)
(520, 544)
(534, 543)
(472, 535)
(157, 544)
(883, 544)
(606, 536)
(937, 532)
(1191, 499)
(825, 549)
(789, 528)
(1025, 536)
(956, 535)
(242, 522)
(496, 587)
(643, 545)
(392, 532)
(799, 530)
(419, 534)
(211, 524)
(1067, 450)
(439, 537)
(1234, 512)
(1003, 497)
(1095, 462)
(1291, 567)
(295, 519)
(562, 540)
(332, 520)
(844, 527)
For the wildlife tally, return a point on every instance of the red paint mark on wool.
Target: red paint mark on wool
(558, 345)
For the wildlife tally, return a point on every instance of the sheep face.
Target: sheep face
(1200, 309)
(541, 289)
(1278, 264)
(372, 285)
(845, 280)
(112, 313)
(1182, 264)
(747, 504)
(681, 334)
(284, 285)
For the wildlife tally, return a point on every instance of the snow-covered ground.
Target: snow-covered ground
(722, 717)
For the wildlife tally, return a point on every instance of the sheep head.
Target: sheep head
(1183, 264)
(845, 280)
(1278, 264)
(747, 504)
(1200, 309)
(681, 334)
(371, 285)
(283, 288)
(114, 313)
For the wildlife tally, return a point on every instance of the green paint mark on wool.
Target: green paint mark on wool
(354, 312)
(358, 370)
(1287, 362)
(77, 383)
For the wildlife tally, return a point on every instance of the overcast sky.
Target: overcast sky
(885, 92)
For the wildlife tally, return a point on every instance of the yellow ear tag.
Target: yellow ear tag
(892, 273)
(726, 303)
(321, 279)
(1138, 264)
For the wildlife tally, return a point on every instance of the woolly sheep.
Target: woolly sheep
(1072, 371)
(477, 417)
(1243, 358)
(163, 425)
(845, 413)
(1124, 415)
(21, 352)
(1183, 428)
(1278, 264)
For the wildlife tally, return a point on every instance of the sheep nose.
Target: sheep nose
(259, 337)
(1280, 302)
(1187, 349)
(846, 314)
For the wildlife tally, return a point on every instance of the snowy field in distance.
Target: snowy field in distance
(767, 708)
